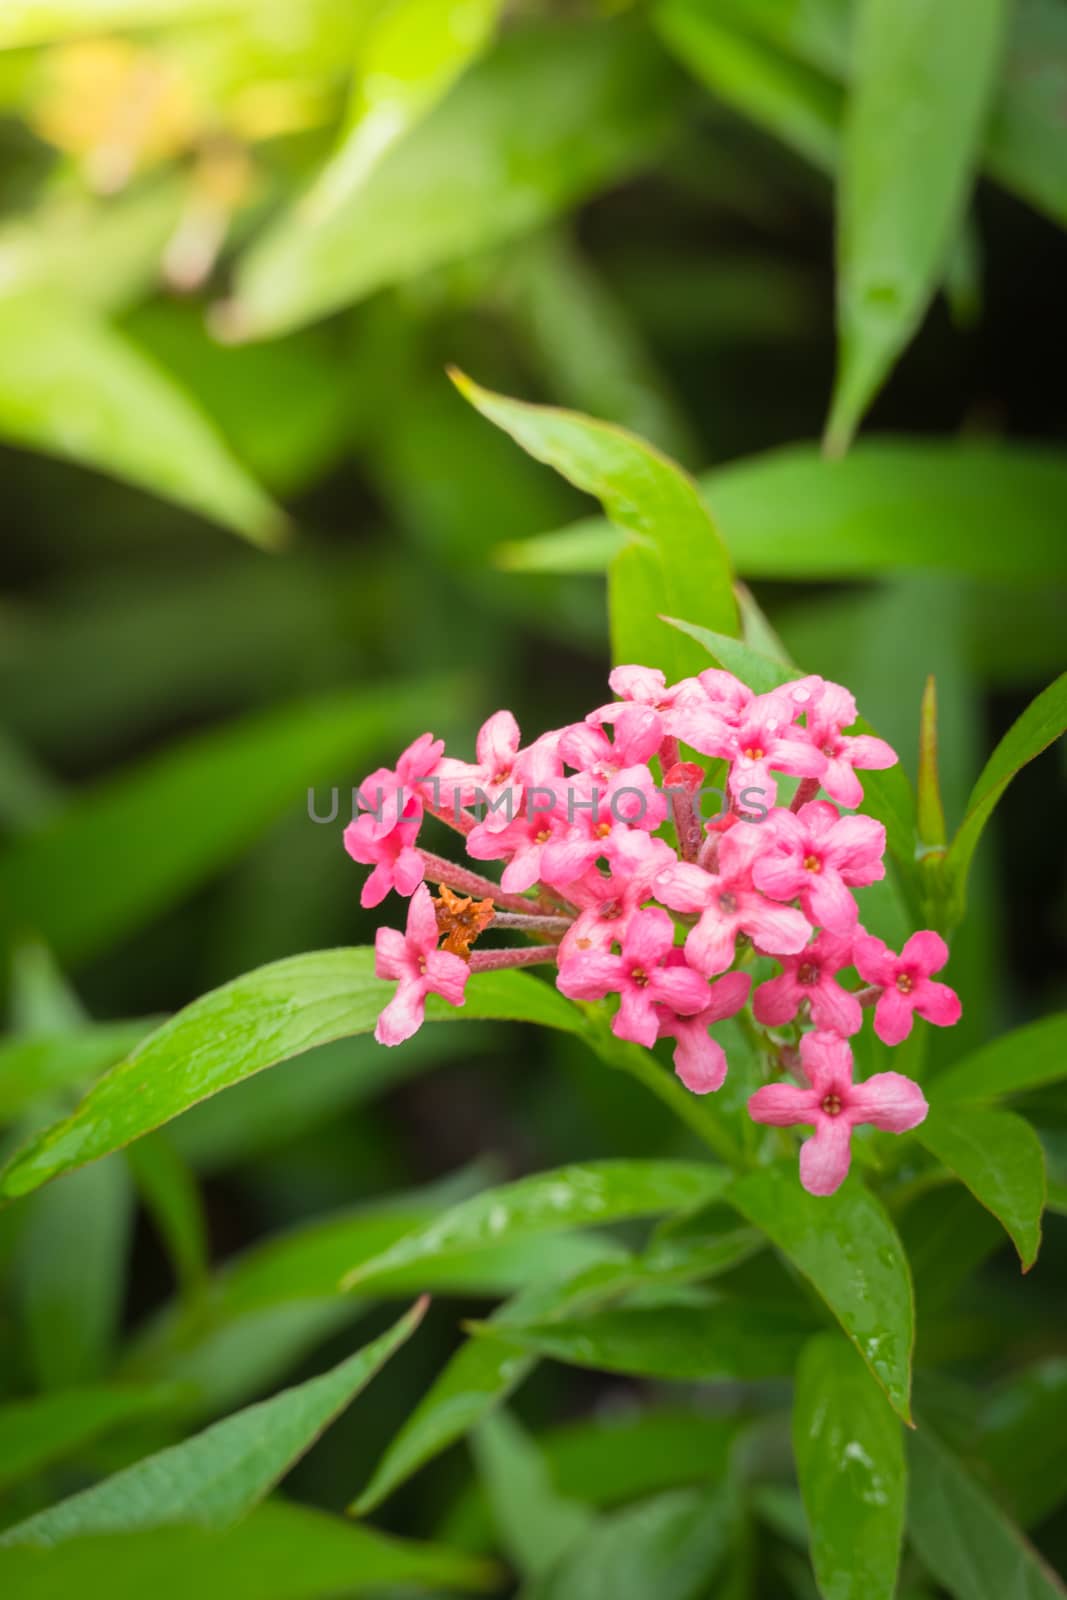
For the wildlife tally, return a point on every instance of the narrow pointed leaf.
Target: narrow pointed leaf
(72, 386)
(1023, 1059)
(847, 1248)
(505, 151)
(535, 1523)
(217, 1476)
(279, 1552)
(1043, 721)
(35, 1433)
(850, 1463)
(921, 93)
(549, 1202)
(679, 1344)
(37, 1068)
(680, 562)
(961, 1535)
(929, 810)
(999, 1157)
(670, 1547)
(269, 1015)
(890, 505)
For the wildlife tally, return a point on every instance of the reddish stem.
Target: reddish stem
(807, 789)
(440, 870)
(534, 924)
(496, 960)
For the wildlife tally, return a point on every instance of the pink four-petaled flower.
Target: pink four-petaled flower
(642, 976)
(906, 984)
(700, 1060)
(811, 975)
(816, 855)
(832, 1104)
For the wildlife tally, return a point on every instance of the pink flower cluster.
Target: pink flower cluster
(611, 874)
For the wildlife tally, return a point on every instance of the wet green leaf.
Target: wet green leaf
(847, 1248)
(217, 1476)
(548, 1202)
(999, 1157)
(265, 1017)
(850, 1463)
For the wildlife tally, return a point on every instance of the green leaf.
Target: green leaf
(410, 54)
(549, 1202)
(265, 1017)
(35, 1433)
(847, 1248)
(72, 386)
(675, 1343)
(1022, 1440)
(1043, 721)
(850, 1463)
(483, 1373)
(37, 1068)
(929, 810)
(1023, 1059)
(891, 505)
(172, 1199)
(510, 147)
(788, 98)
(1024, 147)
(999, 1157)
(217, 1476)
(670, 1547)
(962, 1536)
(279, 1552)
(923, 85)
(675, 561)
(138, 841)
(70, 1274)
(534, 1522)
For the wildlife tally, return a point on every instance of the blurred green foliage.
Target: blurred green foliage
(255, 542)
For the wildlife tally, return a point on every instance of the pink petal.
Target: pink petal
(797, 757)
(408, 872)
(638, 683)
(684, 887)
(780, 874)
(590, 975)
(835, 706)
(636, 1017)
(841, 782)
(391, 958)
(374, 891)
(873, 960)
(709, 946)
(888, 1100)
(403, 1016)
(830, 903)
(649, 937)
(422, 921)
(782, 1105)
(777, 930)
(826, 1156)
(893, 1016)
(446, 974)
(856, 848)
(937, 1003)
(699, 1061)
(728, 995)
(497, 743)
(827, 1062)
(925, 950)
(870, 753)
(681, 988)
(834, 1010)
(778, 1000)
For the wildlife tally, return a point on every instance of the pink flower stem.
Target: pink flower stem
(807, 789)
(496, 960)
(439, 870)
(535, 924)
(869, 995)
(454, 817)
(687, 824)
